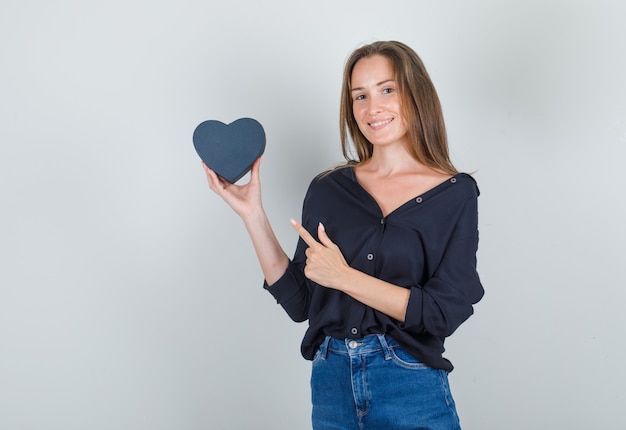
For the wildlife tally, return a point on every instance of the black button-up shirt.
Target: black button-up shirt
(427, 245)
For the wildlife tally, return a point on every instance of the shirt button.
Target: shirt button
(382, 220)
(370, 257)
(418, 200)
(453, 180)
(352, 344)
(354, 330)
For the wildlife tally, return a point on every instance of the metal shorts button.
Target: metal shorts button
(353, 344)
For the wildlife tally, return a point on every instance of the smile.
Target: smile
(380, 123)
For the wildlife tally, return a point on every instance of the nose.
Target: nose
(374, 106)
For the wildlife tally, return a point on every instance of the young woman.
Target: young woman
(385, 268)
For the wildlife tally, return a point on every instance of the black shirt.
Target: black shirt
(428, 245)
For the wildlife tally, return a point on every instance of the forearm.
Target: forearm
(387, 298)
(326, 265)
(272, 258)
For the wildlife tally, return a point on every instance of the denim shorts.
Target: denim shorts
(373, 384)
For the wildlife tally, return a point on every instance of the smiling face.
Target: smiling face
(376, 102)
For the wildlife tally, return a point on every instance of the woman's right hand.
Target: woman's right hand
(246, 202)
(245, 199)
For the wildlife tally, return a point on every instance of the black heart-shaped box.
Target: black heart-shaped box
(229, 149)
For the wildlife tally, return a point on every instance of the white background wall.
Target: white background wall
(130, 297)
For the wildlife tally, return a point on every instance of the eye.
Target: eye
(360, 97)
(388, 90)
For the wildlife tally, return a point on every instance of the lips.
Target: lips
(379, 124)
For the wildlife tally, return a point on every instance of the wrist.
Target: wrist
(347, 281)
(254, 217)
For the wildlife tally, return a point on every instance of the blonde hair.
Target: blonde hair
(428, 142)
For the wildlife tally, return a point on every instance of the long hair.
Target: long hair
(419, 102)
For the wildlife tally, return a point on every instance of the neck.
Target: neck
(390, 160)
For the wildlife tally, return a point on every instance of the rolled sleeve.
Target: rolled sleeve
(446, 300)
(291, 292)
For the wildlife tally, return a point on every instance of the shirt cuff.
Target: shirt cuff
(287, 286)
(413, 317)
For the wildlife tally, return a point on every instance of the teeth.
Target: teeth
(379, 123)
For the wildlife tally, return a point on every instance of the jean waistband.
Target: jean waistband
(370, 344)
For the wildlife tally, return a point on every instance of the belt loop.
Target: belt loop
(386, 348)
(324, 348)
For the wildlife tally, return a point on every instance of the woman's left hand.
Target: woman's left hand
(325, 263)
(326, 266)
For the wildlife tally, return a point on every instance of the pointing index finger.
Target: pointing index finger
(304, 234)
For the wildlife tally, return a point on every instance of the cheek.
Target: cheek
(358, 112)
(402, 116)
(359, 116)
(404, 122)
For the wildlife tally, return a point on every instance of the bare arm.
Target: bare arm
(246, 201)
(326, 266)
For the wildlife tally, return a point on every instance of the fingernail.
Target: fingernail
(322, 226)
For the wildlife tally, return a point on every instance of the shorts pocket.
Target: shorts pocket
(406, 360)
(317, 357)
(322, 350)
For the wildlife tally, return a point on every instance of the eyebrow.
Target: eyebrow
(377, 85)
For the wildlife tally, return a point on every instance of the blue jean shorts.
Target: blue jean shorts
(373, 384)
